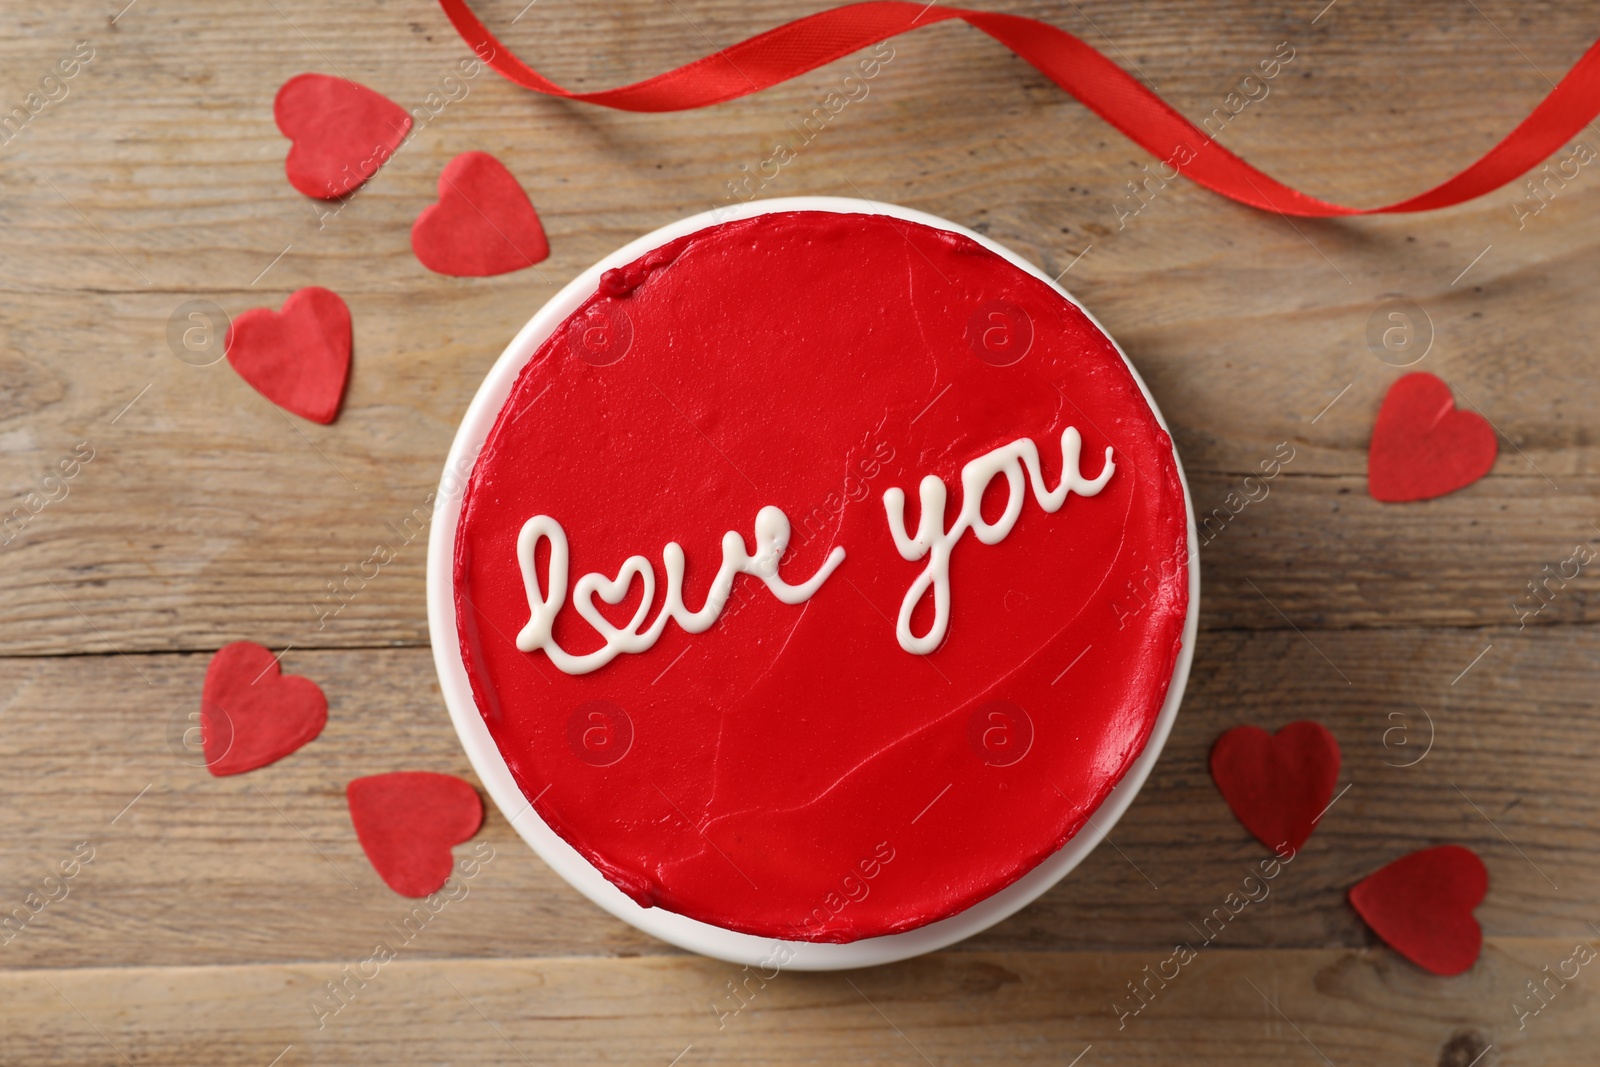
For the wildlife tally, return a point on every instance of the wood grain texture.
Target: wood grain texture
(265, 867)
(1285, 1006)
(159, 181)
(214, 909)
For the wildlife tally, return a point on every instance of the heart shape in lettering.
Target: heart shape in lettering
(298, 358)
(340, 133)
(483, 223)
(1278, 785)
(1421, 905)
(1423, 446)
(251, 714)
(408, 821)
(615, 591)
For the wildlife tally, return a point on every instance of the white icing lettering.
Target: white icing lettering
(772, 530)
(936, 544)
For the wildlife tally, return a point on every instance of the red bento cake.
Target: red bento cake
(821, 575)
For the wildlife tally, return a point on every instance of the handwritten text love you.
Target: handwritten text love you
(1018, 462)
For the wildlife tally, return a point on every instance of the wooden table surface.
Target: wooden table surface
(213, 910)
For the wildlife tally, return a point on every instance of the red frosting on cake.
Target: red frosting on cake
(794, 771)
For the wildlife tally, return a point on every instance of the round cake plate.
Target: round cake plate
(491, 767)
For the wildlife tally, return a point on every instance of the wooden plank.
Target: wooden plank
(264, 867)
(140, 557)
(1224, 1007)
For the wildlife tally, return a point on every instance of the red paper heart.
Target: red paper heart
(300, 358)
(1422, 904)
(341, 133)
(408, 821)
(483, 223)
(1278, 785)
(251, 714)
(1422, 446)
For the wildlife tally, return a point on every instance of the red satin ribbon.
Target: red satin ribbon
(1099, 84)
